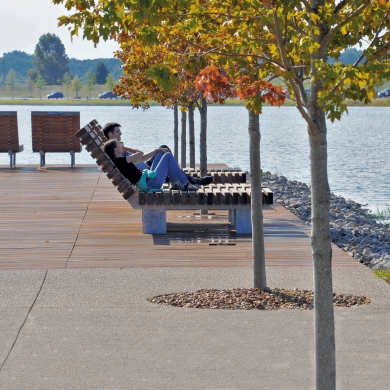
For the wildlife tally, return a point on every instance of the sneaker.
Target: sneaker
(189, 187)
(205, 180)
(192, 179)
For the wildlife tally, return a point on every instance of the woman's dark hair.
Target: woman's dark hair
(109, 147)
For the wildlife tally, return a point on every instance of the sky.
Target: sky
(22, 22)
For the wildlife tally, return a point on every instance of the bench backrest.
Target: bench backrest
(55, 131)
(92, 137)
(9, 138)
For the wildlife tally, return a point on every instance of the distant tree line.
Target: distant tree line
(50, 65)
(348, 56)
(17, 60)
(81, 67)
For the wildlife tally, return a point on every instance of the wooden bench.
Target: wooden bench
(54, 132)
(9, 137)
(235, 197)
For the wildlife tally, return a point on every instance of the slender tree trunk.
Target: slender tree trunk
(176, 131)
(259, 273)
(191, 130)
(183, 156)
(322, 256)
(320, 227)
(203, 141)
(203, 137)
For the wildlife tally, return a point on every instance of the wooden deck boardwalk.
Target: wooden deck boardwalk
(57, 217)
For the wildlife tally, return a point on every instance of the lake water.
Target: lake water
(358, 145)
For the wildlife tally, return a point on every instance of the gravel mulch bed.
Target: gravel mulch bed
(252, 299)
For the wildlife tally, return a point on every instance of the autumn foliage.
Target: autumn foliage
(216, 85)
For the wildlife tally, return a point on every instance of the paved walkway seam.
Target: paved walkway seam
(82, 221)
(25, 320)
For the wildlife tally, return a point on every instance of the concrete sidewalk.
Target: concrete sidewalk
(95, 329)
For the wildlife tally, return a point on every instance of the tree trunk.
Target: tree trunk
(176, 132)
(191, 130)
(183, 156)
(322, 254)
(320, 227)
(259, 273)
(203, 137)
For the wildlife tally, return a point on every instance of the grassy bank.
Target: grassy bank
(106, 102)
(23, 95)
(383, 274)
(63, 102)
(382, 215)
(350, 103)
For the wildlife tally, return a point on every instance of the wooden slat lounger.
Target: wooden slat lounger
(234, 197)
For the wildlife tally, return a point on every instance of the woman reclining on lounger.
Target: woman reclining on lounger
(164, 164)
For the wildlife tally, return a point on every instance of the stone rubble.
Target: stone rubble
(351, 229)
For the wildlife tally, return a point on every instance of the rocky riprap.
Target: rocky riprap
(351, 229)
(252, 299)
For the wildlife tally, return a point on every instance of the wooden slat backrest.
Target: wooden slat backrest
(9, 138)
(93, 139)
(55, 131)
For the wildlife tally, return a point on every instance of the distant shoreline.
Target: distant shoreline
(383, 102)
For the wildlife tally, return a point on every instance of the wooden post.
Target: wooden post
(183, 156)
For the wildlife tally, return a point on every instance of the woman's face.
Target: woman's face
(118, 148)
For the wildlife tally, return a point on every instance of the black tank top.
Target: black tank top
(128, 170)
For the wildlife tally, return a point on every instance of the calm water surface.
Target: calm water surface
(358, 145)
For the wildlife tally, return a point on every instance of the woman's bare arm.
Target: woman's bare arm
(147, 156)
(131, 150)
(141, 157)
(135, 158)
